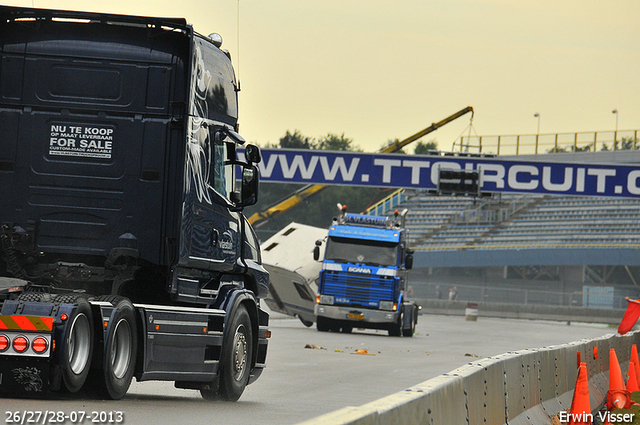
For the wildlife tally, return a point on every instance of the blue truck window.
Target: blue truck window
(362, 251)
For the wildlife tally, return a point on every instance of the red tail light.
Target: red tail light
(39, 345)
(4, 343)
(20, 344)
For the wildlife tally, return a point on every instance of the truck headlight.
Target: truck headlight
(386, 305)
(326, 299)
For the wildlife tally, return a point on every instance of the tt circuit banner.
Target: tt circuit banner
(421, 171)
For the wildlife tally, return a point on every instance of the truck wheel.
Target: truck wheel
(396, 328)
(408, 332)
(236, 355)
(307, 323)
(76, 358)
(120, 350)
(322, 324)
(411, 330)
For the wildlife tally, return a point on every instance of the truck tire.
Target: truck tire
(237, 350)
(120, 349)
(78, 347)
(396, 328)
(305, 322)
(322, 324)
(408, 332)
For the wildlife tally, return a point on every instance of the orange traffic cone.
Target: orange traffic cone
(581, 404)
(632, 382)
(634, 358)
(617, 396)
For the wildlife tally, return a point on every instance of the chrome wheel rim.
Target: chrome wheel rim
(78, 343)
(120, 354)
(239, 352)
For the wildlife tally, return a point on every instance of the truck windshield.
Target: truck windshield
(372, 253)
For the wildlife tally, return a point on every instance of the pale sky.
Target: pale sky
(377, 70)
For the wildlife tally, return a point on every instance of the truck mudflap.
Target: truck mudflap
(263, 340)
(22, 377)
(26, 347)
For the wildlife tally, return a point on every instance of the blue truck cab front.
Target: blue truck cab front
(363, 280)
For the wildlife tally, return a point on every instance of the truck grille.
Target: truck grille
(358, 289)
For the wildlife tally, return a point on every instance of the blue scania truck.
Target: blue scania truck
(124, 251)
(363, 281)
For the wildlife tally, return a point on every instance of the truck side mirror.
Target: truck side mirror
(249, 188)
(316, 250)
(249, 185)
(252, 154)
(408, 261)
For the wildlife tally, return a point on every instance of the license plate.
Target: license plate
(355, 316)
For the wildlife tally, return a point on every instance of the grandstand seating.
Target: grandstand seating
(427, 214)
(438, 223)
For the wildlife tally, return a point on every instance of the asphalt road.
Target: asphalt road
(301, 383)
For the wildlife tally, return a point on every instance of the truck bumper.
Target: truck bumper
(356, 315)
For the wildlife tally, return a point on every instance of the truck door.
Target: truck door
(212, 231)
(210, 236)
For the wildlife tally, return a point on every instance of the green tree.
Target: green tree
(625, 144)
(297, 141)
(319, 209)
(557, 149)
(333, 142)
(423, 148)
(391, 142)
(585, 148)
(629, 144)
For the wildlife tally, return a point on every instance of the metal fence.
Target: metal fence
(493, 294)
(388, 203)
(544, 143)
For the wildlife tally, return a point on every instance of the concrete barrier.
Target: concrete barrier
(516, 388)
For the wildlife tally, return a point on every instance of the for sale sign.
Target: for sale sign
(81, 140)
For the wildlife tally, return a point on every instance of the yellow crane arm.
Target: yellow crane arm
(289, 202)
(311, 189)
(397, 145)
